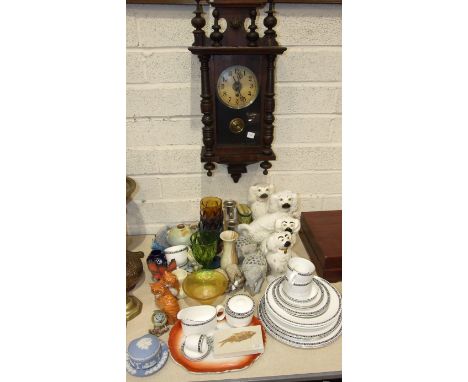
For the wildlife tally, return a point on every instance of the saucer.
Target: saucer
(322, 316)
(194, 355)
(151, 370)
(310, 296)
(313, 300)
(305, 311)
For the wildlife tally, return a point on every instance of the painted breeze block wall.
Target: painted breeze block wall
(164, 129)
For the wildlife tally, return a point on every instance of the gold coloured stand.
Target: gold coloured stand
(133, 307)
(134, 268)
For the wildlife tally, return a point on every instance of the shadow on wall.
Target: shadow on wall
(134, 217)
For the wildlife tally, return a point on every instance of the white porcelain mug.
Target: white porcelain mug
(179, 253)
(196, 343)
(239, 310)
(300, 271)
(299, 276)
(200, 319)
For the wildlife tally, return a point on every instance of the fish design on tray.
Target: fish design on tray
(238, 337)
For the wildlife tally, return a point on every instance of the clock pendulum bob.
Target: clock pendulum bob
(237, 125)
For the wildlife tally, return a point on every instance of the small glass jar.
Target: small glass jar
(230, 214)
(244, 214)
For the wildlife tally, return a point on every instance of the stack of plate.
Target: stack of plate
(311, 321)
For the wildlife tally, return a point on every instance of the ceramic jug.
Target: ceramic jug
(229, 255)
(179, 235)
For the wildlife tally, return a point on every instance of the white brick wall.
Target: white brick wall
(163, 115)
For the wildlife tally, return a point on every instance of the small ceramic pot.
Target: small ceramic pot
(179, 235)
(200, 319)
(144, 352)
(179, 253)
(239, 310)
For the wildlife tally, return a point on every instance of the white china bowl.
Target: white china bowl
(239, 310)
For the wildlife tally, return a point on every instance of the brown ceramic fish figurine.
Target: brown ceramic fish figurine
(238, 337)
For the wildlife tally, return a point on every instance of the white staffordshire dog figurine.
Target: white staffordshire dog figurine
(289, 224)
(261, 228)
(259, 197)
(284, 201)
(275, 248)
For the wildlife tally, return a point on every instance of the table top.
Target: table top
(279, 361)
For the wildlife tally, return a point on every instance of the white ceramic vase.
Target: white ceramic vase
(229, 255)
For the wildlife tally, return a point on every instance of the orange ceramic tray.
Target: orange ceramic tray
(210, 364)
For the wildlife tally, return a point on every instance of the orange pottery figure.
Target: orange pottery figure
(164, 291)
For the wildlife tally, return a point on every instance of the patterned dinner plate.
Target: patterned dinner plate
(210, 364)
(309, 340)
(321, 316)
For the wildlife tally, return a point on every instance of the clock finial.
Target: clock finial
(252, 36)
(270, 22)
(216, 36)
(198, 22)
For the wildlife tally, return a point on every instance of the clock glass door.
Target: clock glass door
(238, 100)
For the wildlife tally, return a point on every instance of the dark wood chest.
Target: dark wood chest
(321, 235)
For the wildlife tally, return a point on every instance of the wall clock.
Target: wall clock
(237, 85)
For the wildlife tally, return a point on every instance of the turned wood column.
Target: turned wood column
(269, 109)
(206, 107)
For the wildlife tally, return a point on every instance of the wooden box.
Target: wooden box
(321, 235)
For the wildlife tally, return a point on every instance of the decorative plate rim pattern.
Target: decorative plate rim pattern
(296, 344)
(305, 325)
(299, 273)
(279, 285)
(311, 314)
(269, 322)
(233, 314)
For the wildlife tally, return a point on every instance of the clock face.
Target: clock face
(237, 87)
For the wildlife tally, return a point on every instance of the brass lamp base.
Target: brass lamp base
(133, 307)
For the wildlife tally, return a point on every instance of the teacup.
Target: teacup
(200, 319)
(299, 277)
(300, 271)
(179, 253)
(239, 310)
(196, 343)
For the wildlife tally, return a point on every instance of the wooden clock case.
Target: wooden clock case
(236, 46)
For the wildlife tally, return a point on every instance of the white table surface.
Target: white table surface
(277, 361)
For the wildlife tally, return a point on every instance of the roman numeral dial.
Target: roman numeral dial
(237, 87)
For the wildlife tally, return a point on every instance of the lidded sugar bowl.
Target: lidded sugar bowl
(146, 355)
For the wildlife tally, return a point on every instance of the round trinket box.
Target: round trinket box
(146, 355)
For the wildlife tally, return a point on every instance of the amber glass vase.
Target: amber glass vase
(211, 214)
